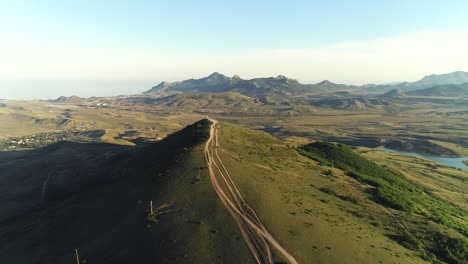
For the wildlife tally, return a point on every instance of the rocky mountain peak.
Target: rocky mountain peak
(216, 75)
(281, 77)
(326, 82)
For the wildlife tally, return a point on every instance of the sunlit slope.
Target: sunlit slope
(428, 222)
(448, 183)
(289, 192)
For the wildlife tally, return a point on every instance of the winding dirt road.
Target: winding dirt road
(257, 237)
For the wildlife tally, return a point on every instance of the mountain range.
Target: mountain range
(284, 87)
(455, 78)
(279, 87)
(448, 90)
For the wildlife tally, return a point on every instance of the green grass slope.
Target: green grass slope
(319, 218)
(394, 190)
(448, 183)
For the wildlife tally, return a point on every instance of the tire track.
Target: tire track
(257, 237)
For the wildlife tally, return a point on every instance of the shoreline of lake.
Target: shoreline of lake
(456, 162)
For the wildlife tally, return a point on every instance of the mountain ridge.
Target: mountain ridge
(456, 78)
(282, 86)
(444, 90)
(279, 86)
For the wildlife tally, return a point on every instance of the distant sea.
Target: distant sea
(52, 89)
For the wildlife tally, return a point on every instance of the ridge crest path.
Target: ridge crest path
(257, 237)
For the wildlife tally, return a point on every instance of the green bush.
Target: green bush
(451, 250)
(348, 198)
(408, 241)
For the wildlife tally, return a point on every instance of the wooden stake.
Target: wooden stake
(77, 256)
(151, 207)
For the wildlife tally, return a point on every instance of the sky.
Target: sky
(98, 48)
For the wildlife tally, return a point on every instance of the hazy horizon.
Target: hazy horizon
(51, 49)
(51, 89)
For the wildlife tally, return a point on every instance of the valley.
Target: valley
(266, 170)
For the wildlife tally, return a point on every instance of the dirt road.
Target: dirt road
(257, 237)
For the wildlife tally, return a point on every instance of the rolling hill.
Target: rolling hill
(193, 101)
(395, 93)
(68, 100)
(215, 103)
(447, 90)
(351, 103)
(95, 197)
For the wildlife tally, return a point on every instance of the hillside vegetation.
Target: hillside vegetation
(395, 191)
(287, 191)
(421, 146)
(97, 198)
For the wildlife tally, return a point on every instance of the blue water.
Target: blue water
(451, 162)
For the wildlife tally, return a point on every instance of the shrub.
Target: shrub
(327, 190)
(451, 250)
(348, 198)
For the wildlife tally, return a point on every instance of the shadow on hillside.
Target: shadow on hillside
(30, 177)
(88, 196)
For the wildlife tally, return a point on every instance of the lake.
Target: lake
(451, 162)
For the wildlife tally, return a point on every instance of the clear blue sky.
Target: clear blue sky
(174, 30)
